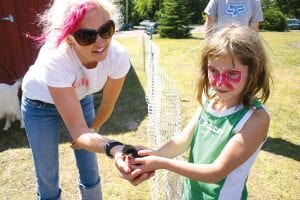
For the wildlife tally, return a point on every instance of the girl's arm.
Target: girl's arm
(174, 147)
(235, 153)
(111, 93)
(181, 142)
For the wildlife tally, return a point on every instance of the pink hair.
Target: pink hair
(69, 26)
(73, 20)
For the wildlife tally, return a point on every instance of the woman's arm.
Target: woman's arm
(236, 152)
(111, 93)
(69, 108)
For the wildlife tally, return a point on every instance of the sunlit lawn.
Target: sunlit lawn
(276, 171)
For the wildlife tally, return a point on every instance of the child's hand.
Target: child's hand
(129, 154)
(145, 164)
(146, 152)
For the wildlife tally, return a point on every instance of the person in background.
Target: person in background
(78, 57)
(220, 14)
(230, 126)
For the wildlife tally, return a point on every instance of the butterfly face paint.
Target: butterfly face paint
(227, 78)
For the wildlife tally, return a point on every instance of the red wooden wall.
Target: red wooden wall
(17, 52)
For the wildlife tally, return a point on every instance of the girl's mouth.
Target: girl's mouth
(222, 91)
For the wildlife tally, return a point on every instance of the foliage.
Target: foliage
(174, 20)
(148, 9)
(291, 7)
(268, 4)
(194, 7)
(130, 12)
(274, 20)
(203, 4)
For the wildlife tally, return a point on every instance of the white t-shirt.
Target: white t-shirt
(60, 67)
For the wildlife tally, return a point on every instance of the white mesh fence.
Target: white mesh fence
(164, 120)
(164, 115)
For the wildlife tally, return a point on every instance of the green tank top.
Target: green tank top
(211, 135)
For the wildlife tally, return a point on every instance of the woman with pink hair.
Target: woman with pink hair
(78, 57)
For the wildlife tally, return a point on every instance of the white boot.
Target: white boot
(92, 193)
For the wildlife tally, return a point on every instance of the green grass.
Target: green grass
(276, 171)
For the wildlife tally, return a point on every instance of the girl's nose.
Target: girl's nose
(220, 79)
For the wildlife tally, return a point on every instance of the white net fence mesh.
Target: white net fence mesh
(164, 120)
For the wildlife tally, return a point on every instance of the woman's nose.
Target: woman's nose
(99, 40)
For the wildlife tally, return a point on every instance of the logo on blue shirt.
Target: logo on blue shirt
(235, 9)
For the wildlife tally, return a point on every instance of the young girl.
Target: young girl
(230, 126)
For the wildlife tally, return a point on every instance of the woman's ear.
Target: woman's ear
(70, 40)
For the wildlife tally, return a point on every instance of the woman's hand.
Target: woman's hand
(75, 146)
(121, 163)
(136, 177)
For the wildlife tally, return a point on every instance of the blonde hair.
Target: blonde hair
(245, 45)
(53, 20)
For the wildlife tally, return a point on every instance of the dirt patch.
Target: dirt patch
(297, 44)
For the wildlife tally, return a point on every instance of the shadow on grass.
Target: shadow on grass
(131, 107)
(198, 37)
(281, 147)
(13, 138)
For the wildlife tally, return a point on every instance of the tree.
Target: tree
(268, 4)
(194, 7)
(148, 9)
(274, 20)
(174, 19)
(202, 6)
(122, 6)
(290, 8)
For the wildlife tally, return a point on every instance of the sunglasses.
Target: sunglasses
(86, 37)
